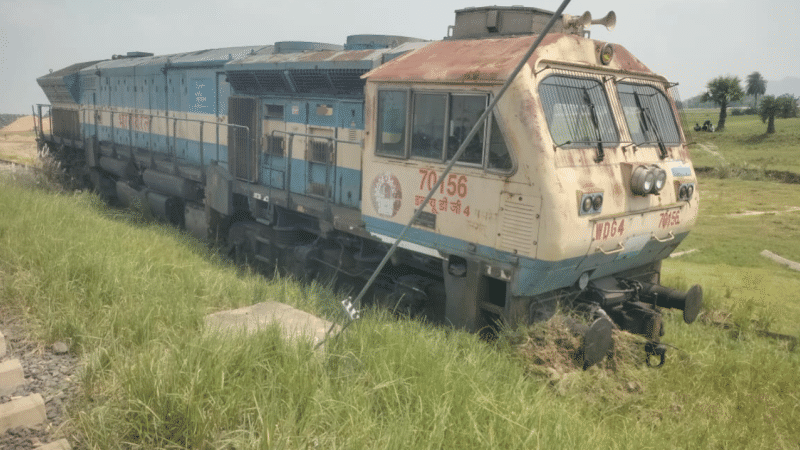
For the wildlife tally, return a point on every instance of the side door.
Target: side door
(321, 151)
(242, 143)
(275, 162)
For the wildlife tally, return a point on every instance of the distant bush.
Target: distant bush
(744, 111)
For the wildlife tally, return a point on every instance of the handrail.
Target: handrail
(40, 130)
(288, 173)
(332, 139)
(175, 120)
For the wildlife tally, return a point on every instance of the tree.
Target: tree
(784, 107)
(769, 108)
(789, 106)
(721, 91)
(756, 85)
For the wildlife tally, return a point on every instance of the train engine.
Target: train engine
(577, 186)
(315, 158)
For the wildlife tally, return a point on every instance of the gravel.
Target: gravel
(51, 375)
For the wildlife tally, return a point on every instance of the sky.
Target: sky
(688, 41)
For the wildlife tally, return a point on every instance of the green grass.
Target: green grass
(744, 142)
(729, 243)
(131, 297)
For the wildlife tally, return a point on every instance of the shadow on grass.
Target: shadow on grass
(753, 140)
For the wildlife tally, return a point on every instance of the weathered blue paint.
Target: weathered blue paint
(185, 150)
(531, 276)
(345, 182)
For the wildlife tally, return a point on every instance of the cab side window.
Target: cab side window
(439, 125)
(499, 157)
(392, 110)
(464, 112)
(427, 136)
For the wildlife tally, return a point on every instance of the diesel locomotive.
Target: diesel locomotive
(314, 157)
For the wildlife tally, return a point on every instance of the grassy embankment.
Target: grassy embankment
(130, 298)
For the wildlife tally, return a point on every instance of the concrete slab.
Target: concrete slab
(22, 412)
(293, 321)
(61, 444)
(781, 260)
(11, 376)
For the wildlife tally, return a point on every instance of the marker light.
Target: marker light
(685, 191)
(587, 204)
(597, 203)
(591, 203)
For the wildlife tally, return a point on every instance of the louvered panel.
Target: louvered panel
(519, 224)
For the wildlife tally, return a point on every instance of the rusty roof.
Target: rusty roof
(491, 61)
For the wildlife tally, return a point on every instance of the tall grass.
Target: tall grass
(131, 298)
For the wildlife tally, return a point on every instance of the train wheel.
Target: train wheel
(241, 243)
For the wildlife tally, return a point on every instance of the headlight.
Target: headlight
(661, 179)
(648, 180)
(642, 180)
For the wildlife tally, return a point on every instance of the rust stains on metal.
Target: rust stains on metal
(624, 60)
(488, 61)
(491, 61)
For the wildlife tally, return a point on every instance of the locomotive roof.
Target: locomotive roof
(322, 59)
(210, 57)
(491, 61)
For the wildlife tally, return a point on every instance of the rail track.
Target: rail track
(6, 162)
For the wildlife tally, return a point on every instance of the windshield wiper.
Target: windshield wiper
(647, 123)
(596, 123)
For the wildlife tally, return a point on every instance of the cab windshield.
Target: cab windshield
(578, 112)
(648, 114)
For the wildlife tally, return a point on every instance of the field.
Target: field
(130, 296)
(744, 143)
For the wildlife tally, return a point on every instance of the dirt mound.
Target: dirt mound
(551, 350)
(24, 123)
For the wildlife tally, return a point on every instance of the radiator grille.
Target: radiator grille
(301, 81)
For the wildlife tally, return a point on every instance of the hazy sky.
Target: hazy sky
(688, 41)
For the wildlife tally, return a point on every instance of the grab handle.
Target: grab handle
(666, 239)
(611, 252)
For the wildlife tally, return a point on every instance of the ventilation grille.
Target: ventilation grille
(519, 226)
(321, 152)
(299, 81)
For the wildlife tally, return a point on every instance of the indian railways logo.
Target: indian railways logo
(386, 194)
